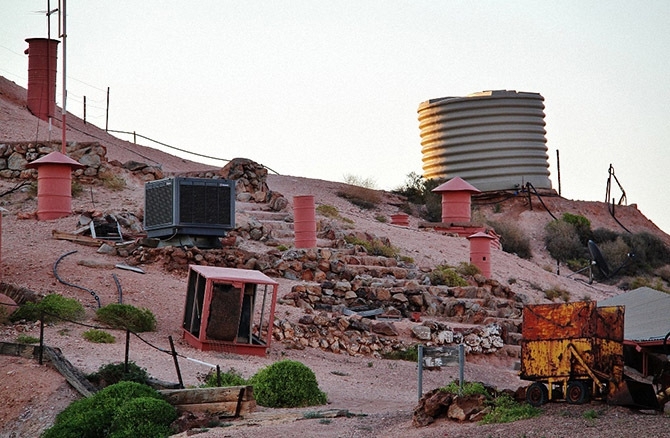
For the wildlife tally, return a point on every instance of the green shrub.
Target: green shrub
(54, 306)
(468, 269)
(512, 239)
(446, 275)
(557, 292)
(381, 218)
(127, 316)
(506, 410)
(26, 339)
(649, 251)
(94, 417)
(113, 373)
(229, 378)
(287, 384)
(373, 247)
(98, 336)
(582, 226)
(562, 241)
(414, 188)
(355, 180)
(143, 417)
(469, 388)
(432, 201)
(328, 211)
(601, 235)
(113, 182)
(410, 354)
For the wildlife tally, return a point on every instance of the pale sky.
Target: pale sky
(324, 89)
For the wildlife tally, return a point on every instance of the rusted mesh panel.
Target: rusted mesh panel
(558, 321)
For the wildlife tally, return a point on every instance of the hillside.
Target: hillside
(363, 383)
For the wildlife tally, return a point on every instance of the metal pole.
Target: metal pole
(125, 363)
(420, 352)
(107, 112)
(41, 336)
(558, 170)
(84, 110)
(64, 106)
(176, 362)
(461, 367)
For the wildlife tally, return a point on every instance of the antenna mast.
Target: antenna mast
(63, 35)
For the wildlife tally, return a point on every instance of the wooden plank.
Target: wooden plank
(222, 409)
(207, 395)
(73, 376)
(84, 240)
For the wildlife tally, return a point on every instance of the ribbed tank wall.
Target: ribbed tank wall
(494, 140)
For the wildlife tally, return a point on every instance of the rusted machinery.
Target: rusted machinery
(574, 352)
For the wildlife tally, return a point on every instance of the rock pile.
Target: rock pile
(359, 336)
(92, 155)
(250, 183)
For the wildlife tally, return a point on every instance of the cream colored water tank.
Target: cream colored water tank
(494, 139)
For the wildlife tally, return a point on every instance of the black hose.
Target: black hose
(55, 271)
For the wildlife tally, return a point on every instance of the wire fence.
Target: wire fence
(48, 317)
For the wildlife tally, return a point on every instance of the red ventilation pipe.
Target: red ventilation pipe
(42, 57)
(304, 221)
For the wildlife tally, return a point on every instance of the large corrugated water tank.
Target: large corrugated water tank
(495, 140)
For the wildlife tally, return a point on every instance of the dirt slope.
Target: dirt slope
(385, 391)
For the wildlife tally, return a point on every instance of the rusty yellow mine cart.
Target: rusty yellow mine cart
(574, 352)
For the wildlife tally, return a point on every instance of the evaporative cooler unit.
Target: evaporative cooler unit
(189, 210)
(229, 310)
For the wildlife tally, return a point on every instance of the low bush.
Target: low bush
(468, 269)
(55, 307)
(118, 411)
(447, 276)
(469, 388)
(582, 226)
(410, 354)
(512, 239)
(229, 378)
(506, 410)
(562, 241)
(287, 384)
(98, 336)
(113, 373)
(27, 339)
(143, 417)
(557, 292)
(373, 247)
(127, 316)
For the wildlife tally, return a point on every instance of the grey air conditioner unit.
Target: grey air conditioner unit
(189, 207)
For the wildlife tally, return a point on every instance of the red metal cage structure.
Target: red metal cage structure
(229, 310)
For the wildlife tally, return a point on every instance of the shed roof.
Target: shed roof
(233, 274)
(646, 314)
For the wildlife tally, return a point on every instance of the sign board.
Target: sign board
(435, 357)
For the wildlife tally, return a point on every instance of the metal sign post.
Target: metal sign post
(436, 357)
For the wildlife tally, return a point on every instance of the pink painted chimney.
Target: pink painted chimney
(304, 221)
(54, 185)
(42, 57)
(456, 195)
(480, 252)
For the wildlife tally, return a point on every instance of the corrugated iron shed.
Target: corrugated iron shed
(647, 314)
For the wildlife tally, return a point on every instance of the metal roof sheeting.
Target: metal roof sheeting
(647, 314)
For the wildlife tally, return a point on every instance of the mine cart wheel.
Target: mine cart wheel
(578, 392)
(537, 394)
